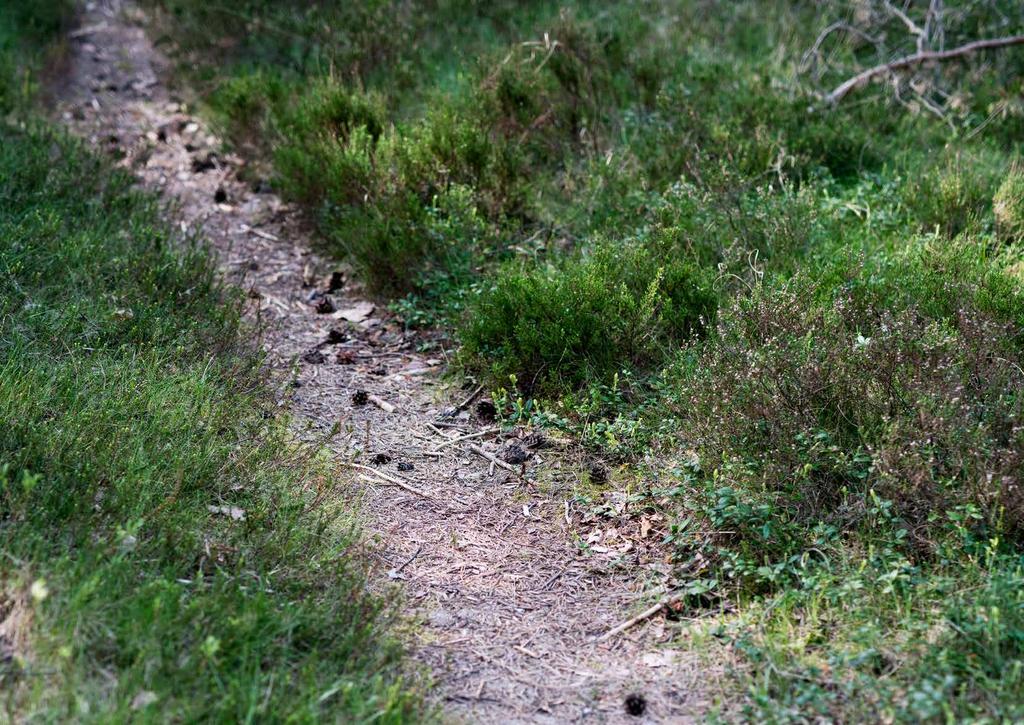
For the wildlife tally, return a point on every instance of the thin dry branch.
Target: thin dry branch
(909, 61)
(381, 403)
(404, 486)
(814, 51)
(381, 476)
(453, 441)
(492, 458)
(913, 27)
(646, 614)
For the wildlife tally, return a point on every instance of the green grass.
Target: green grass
(801, 326)
(132, 401)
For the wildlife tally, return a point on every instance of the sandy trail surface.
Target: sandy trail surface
(509, 605)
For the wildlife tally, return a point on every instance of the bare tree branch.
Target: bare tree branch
(913, 27)
(920, 58)
(815, 50)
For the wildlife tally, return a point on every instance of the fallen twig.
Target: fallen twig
(470, 399)
(527, 652)
(88, 30)
(380, 403)
(415, 372)
(407, 562)
(646, 614)
(492, 458)
(553, 578)
(909, 61)
(395, 482)
(260, 233)
(453, 441)
(389, 478)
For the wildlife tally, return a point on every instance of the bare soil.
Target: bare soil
(509, 605)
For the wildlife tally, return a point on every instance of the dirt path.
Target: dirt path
(509, 605)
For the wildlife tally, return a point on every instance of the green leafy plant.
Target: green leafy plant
(556, 328)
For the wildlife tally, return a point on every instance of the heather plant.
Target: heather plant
(953, 192)
(1008, 205)
(825, 404)
(617, 307)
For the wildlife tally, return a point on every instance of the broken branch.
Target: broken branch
(453, 441)
(492, 458)
(388, 478)
(470, 398)
(400, 484)
(381, 403)
(815, 50)
(646, 614)
(909, 61)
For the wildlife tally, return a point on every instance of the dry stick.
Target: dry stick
(492, 458)
(400, 484)
(527, 652)
(382, 404)
(453, 441)
(416, 372)
(374, 471)
(88, 30)
(646, 614)
(553, 578)
(260, 233)
(470, 399)
(390, 479)
(815, 50)
(917, 59)
(410, 559)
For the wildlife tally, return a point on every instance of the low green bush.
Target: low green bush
(808, 402)
(953, 193)
(870, 634)
(556, 328)
(26, 46)
(1008, 205)
(246, 104)
(326, 148)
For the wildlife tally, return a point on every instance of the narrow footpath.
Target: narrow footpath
(509, 608)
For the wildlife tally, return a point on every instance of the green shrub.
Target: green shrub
(556, 328)
(809, 402)
(938, 277)
(744, 233)
(724, 113)
(1008, 205)
(247, 104)
(953, 193)
(871, 635)
(326, 150)
(27, 31)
